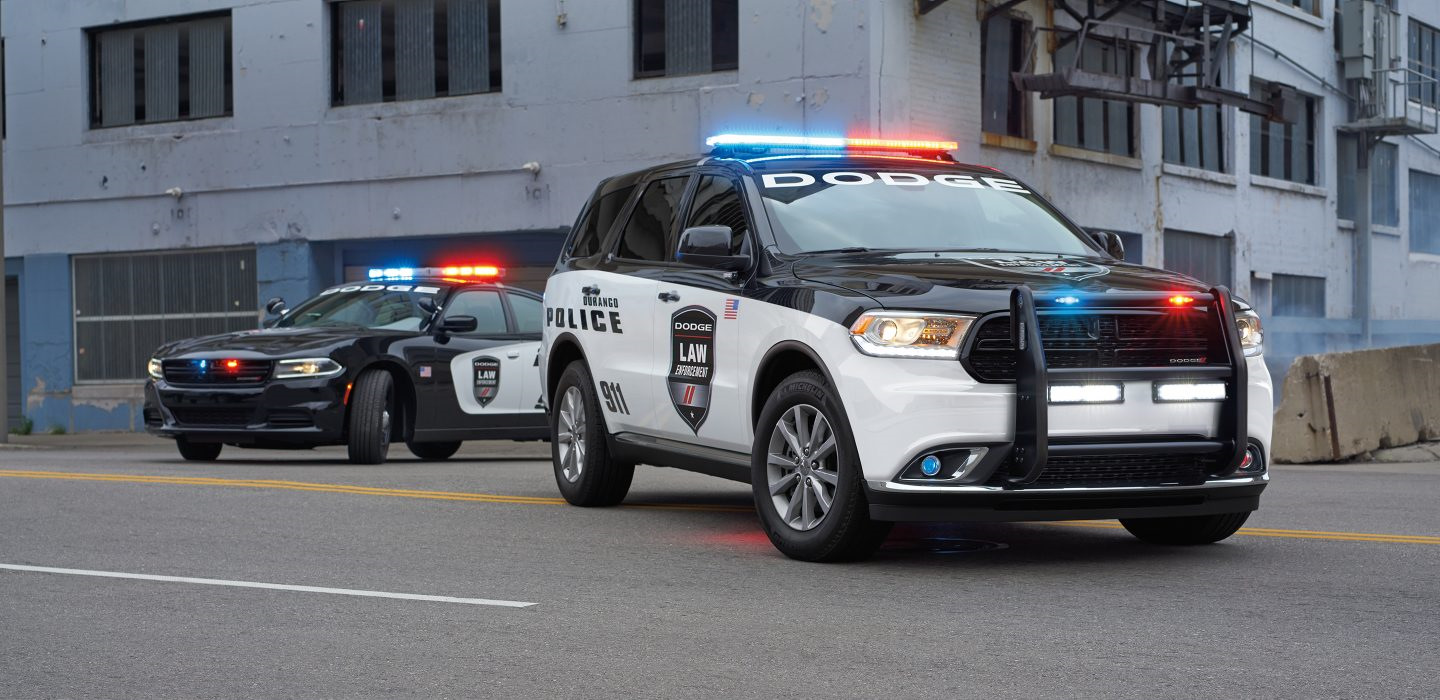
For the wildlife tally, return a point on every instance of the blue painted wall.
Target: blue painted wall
(47, 371)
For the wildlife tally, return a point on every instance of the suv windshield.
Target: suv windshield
(388, 309)
(827, 210)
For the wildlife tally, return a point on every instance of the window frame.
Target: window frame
(1132, 134)
(1434, 238)
(692, 189)
(636, 51)
(1425, 95)
(334, 54)
(514, 318)
(505, 310)
(1260, 137)
(93, 57)
(1275, 287)
(623, 221)
(1027, 33)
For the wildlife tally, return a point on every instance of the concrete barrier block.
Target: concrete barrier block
(1343, 404)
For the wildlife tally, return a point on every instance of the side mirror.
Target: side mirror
(709, 246)
(276, 306)
(1110, 241)
(459, 324)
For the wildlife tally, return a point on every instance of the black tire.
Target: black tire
(588, 477)
(845, 532)
(1185, 530)
(433, 451)
(198, 451)
(370, 417)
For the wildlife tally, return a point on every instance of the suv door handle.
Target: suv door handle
(590, 289)
(513, 355)
(669, 296)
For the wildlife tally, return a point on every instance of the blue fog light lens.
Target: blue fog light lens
(930, 466)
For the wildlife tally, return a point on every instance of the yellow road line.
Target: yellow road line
(546, 501)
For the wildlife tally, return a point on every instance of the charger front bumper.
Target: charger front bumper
(304, 413)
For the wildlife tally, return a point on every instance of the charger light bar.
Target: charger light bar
(829, 142)
(457, 271)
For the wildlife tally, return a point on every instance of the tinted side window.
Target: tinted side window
(597, 222)
(718, 203)
(484, 305)
(651, 221)
(527, 313)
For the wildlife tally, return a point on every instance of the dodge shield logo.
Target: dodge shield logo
(487, 379)
(692, 346)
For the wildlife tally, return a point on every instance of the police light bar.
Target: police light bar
(829, 143)
(453, 271)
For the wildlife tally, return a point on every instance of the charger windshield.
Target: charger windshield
(828, 210)
(373, 306)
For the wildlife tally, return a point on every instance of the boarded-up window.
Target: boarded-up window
(1005, 46)
(128, 305)
(1425, 60)
(1210, 259)
(396, 50)
(161, 71)
(1424, 212)
(1284, 151)
(1384, 197)
(684, 37)
(1297, 295)
(1092, 123)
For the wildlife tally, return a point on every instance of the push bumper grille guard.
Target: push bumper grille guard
(1032, 447)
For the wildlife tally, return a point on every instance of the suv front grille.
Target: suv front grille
(1169, 338)
(214, 372)
(1118, 470)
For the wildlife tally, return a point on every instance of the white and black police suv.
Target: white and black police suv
(430, 356)
(868, 332)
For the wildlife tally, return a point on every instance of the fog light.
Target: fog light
(1087, 393)
(1173, 392)
(930, 466)
(1253, 463)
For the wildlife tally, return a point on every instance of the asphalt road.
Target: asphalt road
(679, 594)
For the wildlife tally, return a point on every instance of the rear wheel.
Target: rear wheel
(198, 451)
(370, 417)
(1186, 530)
(806, 476)
(584, 470)
(433, 451)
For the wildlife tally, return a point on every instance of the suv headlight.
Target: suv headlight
(1252, 337)
(307, 368)
(156, 370)
(910, 334)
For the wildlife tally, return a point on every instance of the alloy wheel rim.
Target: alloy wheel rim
(570, 437)
(802, 467)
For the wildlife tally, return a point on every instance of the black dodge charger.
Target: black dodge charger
(431, 360)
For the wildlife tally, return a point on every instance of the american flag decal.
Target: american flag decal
(732, 309)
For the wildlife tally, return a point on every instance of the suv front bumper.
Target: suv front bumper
(905, 502)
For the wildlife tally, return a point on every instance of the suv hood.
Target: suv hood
(981, 282)
(266, 342)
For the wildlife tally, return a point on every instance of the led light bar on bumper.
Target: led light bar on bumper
(910, 334)
(307, 368)
(1175, 392)
(1087, 393)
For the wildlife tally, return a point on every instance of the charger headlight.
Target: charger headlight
(1252, 336)
(910, 334)
(307, 368)
(155, 369)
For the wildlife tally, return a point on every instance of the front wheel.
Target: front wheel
(370, 417)
(584, 470)
(198, 451)
(806, 475)
(1186, 530)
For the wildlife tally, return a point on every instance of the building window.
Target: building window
(128, 305)
(1296, 295)
(1311, 6)
(1092, 123)
(1005, 45)
(1195, 136)
(161, 71)
(1210, 259)
(1384, 192)
(395, 50)
(1284, 151)
(1424, 212)
(685, 37)
(1425, 60)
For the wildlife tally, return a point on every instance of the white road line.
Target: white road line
(272, 586)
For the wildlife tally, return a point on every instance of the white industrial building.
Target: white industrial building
(172, 164)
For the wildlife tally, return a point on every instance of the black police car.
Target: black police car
(430, 357)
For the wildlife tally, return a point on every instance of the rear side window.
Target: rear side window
(597, 222)
(718, 203)
(527, 313)
(652, 220)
